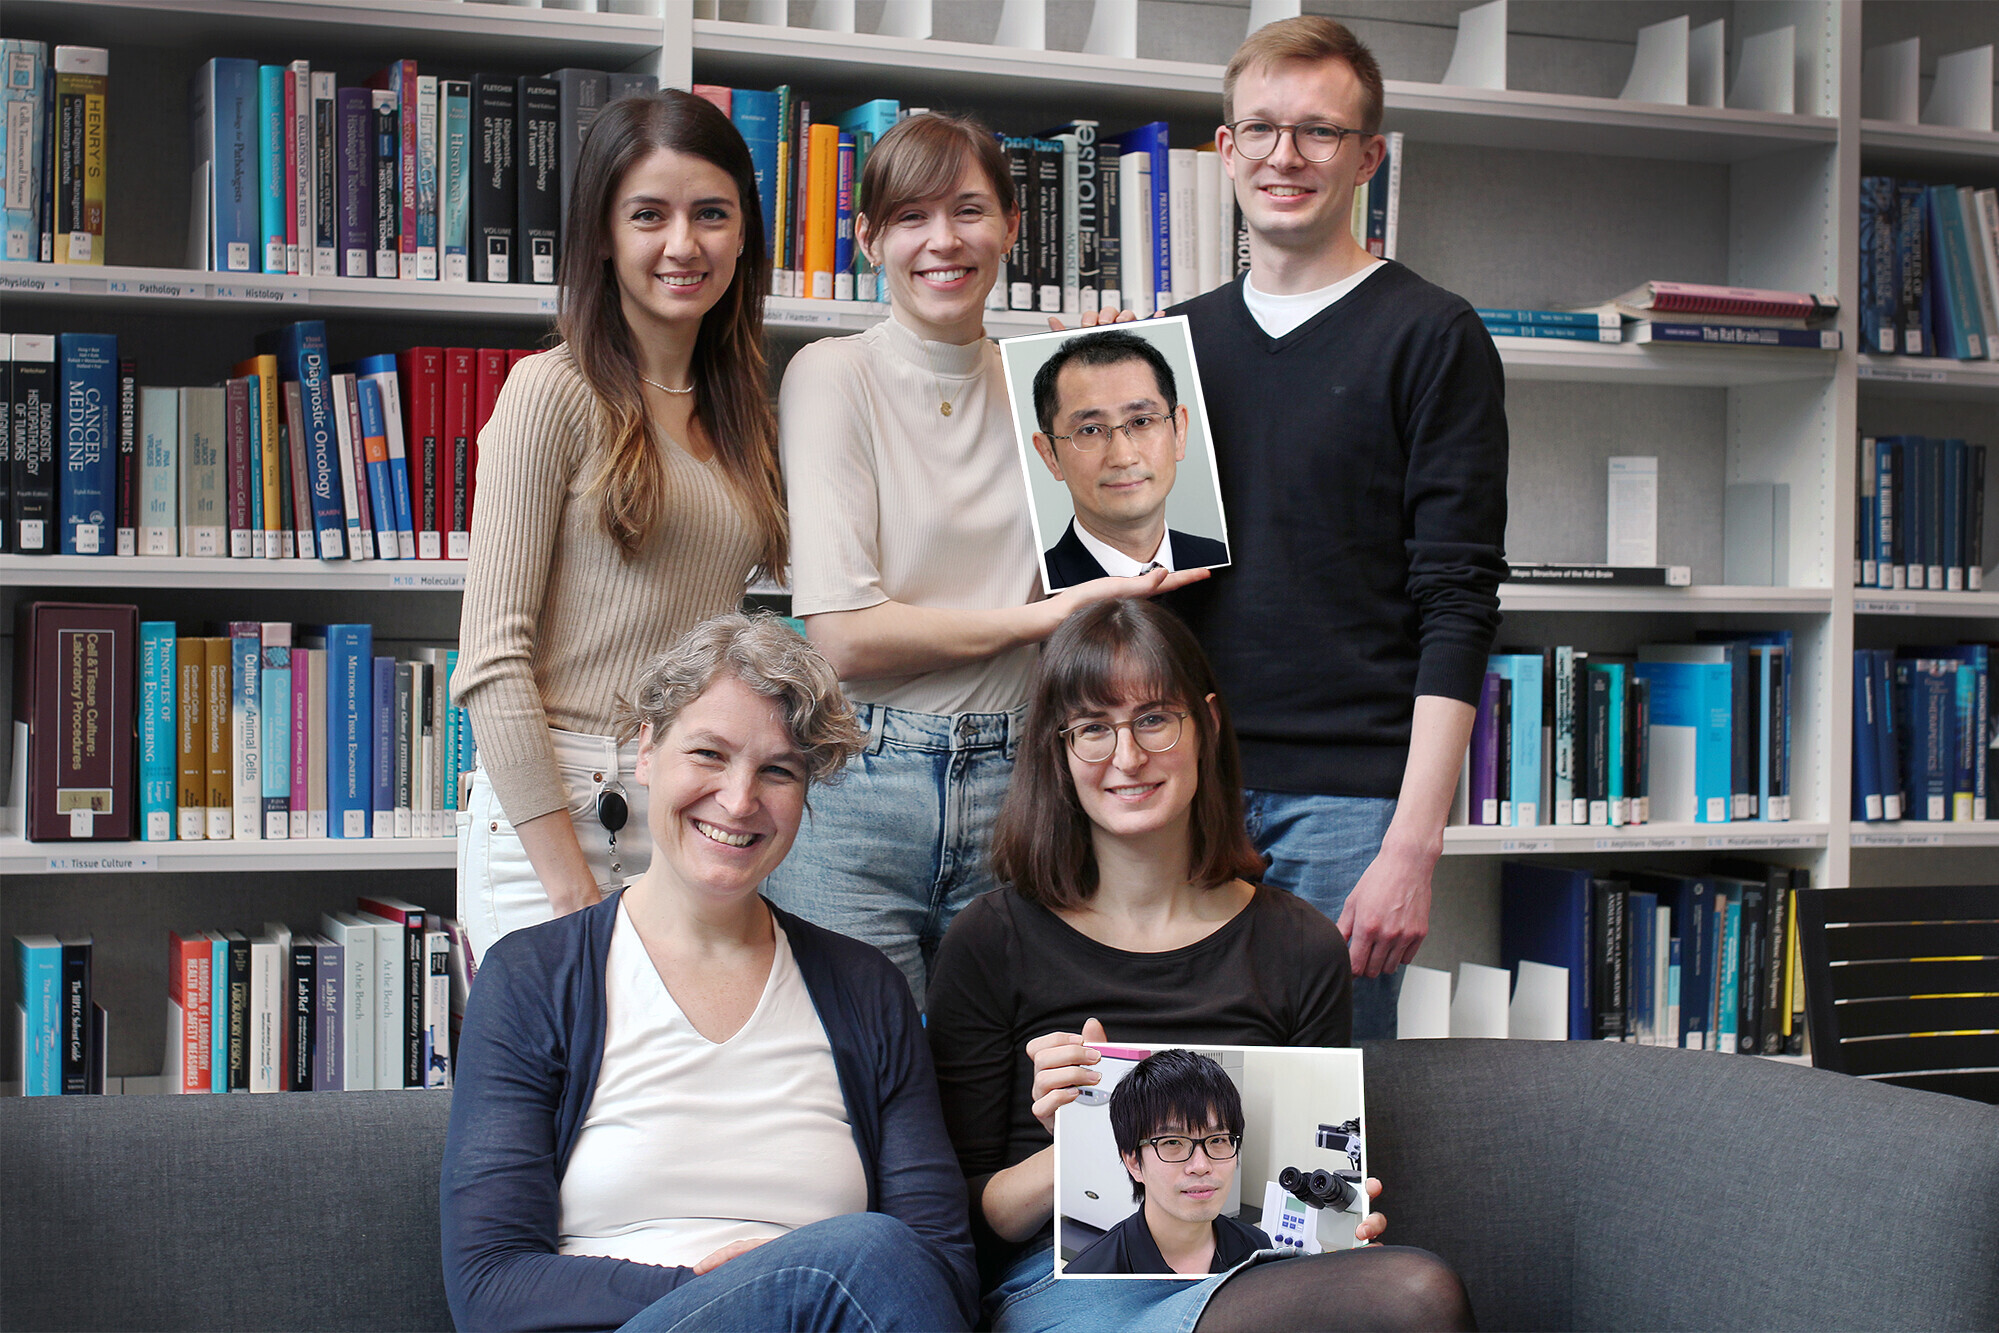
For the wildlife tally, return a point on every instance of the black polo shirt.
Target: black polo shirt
(1128, 1247)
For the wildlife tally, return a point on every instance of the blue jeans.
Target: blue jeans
(862, 1272)
(1319, 846)
(893, 848)
(1031, 1299)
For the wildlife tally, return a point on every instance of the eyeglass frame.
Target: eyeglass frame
(1235, 136)
(1167, 419)
(1235, 1147)
(1129, 724)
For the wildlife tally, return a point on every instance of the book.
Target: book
(189, 1065)
(236, 466)
(75, 691)
(410, 919)
(1546, 916)
(1667, 331)
(246, 728)
(459, 393)
(87, 462)
(420, 377)
(821, 220)
(300, 348)
(495, 103)
(36, 394)
(218, 699)
(391, 1010)
(223, 106)
(158, 749)
(1656, 298)
(126, 486)
(39, 966)
(427, 159)
(24, 73)
(387, 156)
(360, 1009)
(383, 747)
(436, 1008)
(400, 80)
(354, 203)
(454, 179)
(580, 95)
(275, 730)
(383, 371)
(1563, 332)
(755, 116)
(324, 233)
(82, 96)
(538, 197)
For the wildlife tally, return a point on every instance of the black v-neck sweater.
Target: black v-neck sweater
(1362, 460)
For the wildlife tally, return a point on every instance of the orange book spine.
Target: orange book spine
(191, 726)
(821, 210)
(221, 760)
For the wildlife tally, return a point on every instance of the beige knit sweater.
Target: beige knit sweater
(556, 620)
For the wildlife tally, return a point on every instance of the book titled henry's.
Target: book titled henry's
(1610, 576)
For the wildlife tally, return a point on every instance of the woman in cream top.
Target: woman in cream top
(628, 488)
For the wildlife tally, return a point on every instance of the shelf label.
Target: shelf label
(99, 863)
(1642, 843)
(1762, 840)
(260, 293)
(10, 282)
(1861, 839)
(805, 318)
(172, 290)
(445, 581)
(1902, 374)
(1527, 845)
(1881, 607)
(545, 305)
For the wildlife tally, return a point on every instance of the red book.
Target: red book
(493, 367)
(400, 79)
(237, 438)
(461, 379)
(516, 355)
(291, 172)
(190, 1013)
(420, 376)
(75, 689)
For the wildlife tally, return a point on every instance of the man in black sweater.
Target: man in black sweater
(1360, 432)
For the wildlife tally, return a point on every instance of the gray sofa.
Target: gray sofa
(1573, 1185)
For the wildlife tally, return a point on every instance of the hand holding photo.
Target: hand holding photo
(1151, 1166)
(1108, 420)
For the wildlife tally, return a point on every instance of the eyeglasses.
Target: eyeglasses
(1155, 733)
(1315, 140)
(1140, 430)
(1175, 1148)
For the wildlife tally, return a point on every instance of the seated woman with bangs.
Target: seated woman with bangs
(1132, 912)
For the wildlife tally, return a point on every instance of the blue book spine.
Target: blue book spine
(226, 103)
(1525, 671)
(1714, 749)
(350, 730)
(1673, 1021)
(1574, 319)
(1642, 911)
(1974, 712)
(381, 368)
(1545, 917)
(1957, 281)
(277, 723)
(1951, 527)
(456, 102)
(87, 450)
(158, 741)
(24, 80)
(1152, 140)
(426, 175)
(1964, 706)
(1932, 710)
(1877, 264)
(454, 722)
(877, 117)
(40, 958)
(1728, 970)
(1886, 513)
(1698, 943)
(302, 357)
(218, 1011)
(1620, 803)
(755, 116)
(1866, 744)
(382, 784)
(843, 219)
(1565, 332)
(1913, 295)
(381, 493)
(1887, 761)
(273, 179)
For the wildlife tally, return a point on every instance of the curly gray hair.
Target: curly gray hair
(768, 656)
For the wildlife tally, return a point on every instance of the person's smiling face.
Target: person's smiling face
(1137, 791)
(725, 791)
(1286, 199)
(1192, 1191)
(1122, 481)
(675, 228)
(943, 255)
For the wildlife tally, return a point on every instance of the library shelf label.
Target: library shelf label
(1642, 843)
(1881, 606)
(33, 282)
(1861, 838)
(258, 292)
(1723, 841)
(99, 863)
(447, 580)
(1902, 374)
(177, 291)
(1528, 845)
(776, 314)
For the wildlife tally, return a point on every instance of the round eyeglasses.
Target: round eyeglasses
(1141, 430)
(1176, 1148)
(1154, 732)
(1315, 140)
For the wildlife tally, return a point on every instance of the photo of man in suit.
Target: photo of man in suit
(1113, 430)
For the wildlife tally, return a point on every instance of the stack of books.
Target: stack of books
(1699, 314)
(1922, 727)
(1929, 269)
(1921, 516)
(62, 1031)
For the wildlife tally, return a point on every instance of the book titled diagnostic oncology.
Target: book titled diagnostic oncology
(75, 688)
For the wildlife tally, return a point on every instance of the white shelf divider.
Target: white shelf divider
(1884, 602)
(87, 571)
(110, 285)
(18, 856)
(1916, 833)
(1703, 600)
(1746, 835)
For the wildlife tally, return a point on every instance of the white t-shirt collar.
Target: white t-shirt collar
(1278, 315)
(1116, 562)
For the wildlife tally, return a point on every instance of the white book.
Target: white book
(1072, 240)
(419, 709)
(265, 1036)
(441, 819)
(1394, 222)
(298, 257)
(358, 1016)
(280, 936)
(1978, 234)
(159, 471)
(389, 994)
(1182, 229)
(427, 164)
(1135, 231)
(1207, 221)
(325, 130)
(315, 731)
(346, 409)
(204, 419)
(1662, 957)
(436, 1009)
(246, 746)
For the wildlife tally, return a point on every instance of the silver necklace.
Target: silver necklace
(667, 388)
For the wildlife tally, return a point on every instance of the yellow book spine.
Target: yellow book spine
(191, 732)
(822, 210)
(270, 443)
(82, 87)
(221, 767)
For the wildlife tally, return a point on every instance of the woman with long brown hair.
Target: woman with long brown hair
(628, 489)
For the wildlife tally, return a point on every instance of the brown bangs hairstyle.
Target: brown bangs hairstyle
(920, 159)
(1106, 654)
(1307, 37)
(731, 379)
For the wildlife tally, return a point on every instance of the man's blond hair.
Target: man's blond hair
(1308, 37)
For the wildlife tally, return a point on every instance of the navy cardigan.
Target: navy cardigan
(528, 1058)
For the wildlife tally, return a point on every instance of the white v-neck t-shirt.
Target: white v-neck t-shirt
(690, 1144)
(1278, 315)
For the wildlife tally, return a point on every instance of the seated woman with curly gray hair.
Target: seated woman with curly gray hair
(682, 1107)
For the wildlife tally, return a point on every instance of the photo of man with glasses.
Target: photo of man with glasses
(1114, 431)
(1178, 1121)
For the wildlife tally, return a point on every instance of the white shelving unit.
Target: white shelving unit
(1589, 191)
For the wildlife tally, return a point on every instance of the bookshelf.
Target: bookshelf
(1550, 193)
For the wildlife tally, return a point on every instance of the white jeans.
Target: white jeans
(498, 890)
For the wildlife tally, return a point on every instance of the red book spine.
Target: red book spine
(238, 443)
(291, 173)
(420, 371)
(493, 367)
(190, 986)
(516, 355)
(461, 376)
(75, 686)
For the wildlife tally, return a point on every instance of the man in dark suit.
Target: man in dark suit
(1113, 430)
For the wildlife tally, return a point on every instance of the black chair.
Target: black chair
(1902, 985)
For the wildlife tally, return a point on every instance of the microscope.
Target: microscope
(1314, 1211)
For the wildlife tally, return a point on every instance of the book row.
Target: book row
(1696, 314)
(1921, 516)
(292, 456)
(259, 731)
(53, 151)
(1701, 962)
(1929, 269)
(1685, 733)
(365, 1001)
(1125, 221)
(411, 177)
(1922, 733)
(61, 1030)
